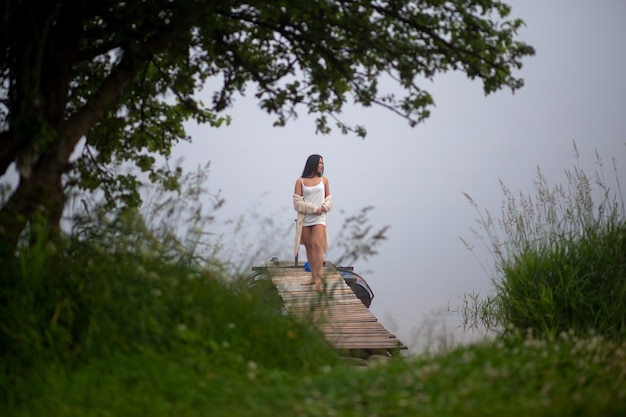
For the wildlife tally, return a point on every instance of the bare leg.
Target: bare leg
(306, 239)
(314, 243)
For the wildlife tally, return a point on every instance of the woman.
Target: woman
(312, 201)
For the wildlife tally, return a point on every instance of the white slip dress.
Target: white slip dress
(314, 195)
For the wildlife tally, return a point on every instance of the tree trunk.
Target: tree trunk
(40, 195)
(38, 198)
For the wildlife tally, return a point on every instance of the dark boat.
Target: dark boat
(358, 285)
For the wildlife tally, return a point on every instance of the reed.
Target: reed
(559, 255)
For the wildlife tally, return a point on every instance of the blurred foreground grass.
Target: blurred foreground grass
(520, 377)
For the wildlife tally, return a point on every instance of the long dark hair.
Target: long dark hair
(310, 168)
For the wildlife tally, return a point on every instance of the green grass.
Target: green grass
(577, 284)
(126, 306)
(121, 319)
(521, 377)
(560, 257)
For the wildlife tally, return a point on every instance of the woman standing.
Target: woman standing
(312, 201)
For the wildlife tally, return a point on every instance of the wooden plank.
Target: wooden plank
(337, 312)
(389, 341)
(371, 328)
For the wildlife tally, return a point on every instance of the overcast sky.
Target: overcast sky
(415, 177)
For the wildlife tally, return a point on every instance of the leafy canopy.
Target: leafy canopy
(123, 75)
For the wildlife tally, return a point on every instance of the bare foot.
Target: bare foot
(309, 282)
(318, 286)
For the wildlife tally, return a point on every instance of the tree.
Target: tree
(121, 75)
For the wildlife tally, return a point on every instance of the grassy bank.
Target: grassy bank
(521, 377)
(118, 319)
(559, 256)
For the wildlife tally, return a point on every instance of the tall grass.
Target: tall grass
(520, 375)
(122, 286)
(560, 255)
(358, 238)
(129, 316)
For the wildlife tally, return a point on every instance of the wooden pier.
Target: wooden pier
(346, 322)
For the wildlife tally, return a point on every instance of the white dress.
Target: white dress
(314, 195)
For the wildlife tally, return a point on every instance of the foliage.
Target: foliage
(119, 78)
(358, 239)
(137, 296)
(560, 257)
(119, 290)
(168, 223)
(122, 318)
(520, 376)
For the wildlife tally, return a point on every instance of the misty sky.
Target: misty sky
(415, 177)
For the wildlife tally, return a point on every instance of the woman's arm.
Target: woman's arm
(327, 205)
(298, 188)
(302, 206)
(326, 187)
